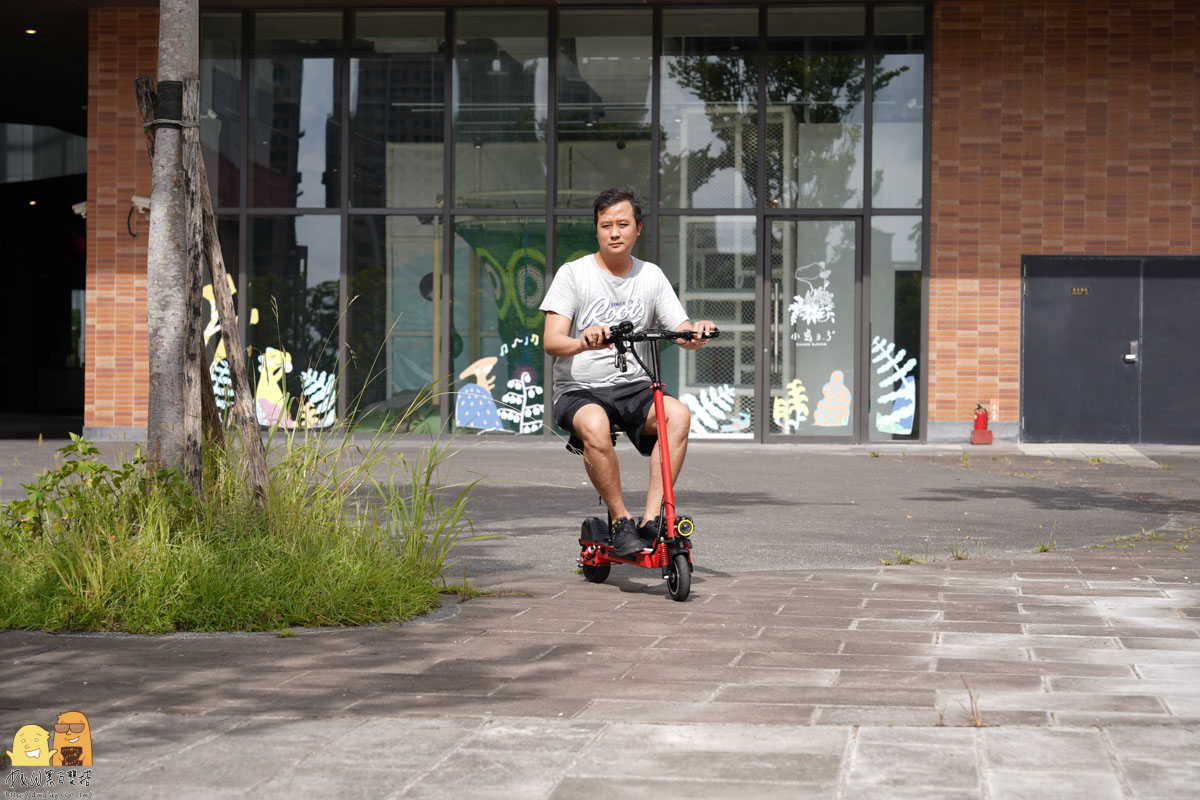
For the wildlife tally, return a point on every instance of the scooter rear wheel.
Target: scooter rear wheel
(595, 574)
(679, 582)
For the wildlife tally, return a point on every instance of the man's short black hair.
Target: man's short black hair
(610, 197)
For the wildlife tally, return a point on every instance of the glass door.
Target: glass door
(810, 321)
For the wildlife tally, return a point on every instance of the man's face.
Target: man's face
(616, 230)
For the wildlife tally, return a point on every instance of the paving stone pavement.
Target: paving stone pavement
(1065, 674)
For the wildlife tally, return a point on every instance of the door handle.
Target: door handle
(774, 326)
(1132, 356)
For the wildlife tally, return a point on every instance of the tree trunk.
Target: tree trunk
(144, 89)
(166, 271)
(243, 399)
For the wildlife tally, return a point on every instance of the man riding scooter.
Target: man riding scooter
(591, 395)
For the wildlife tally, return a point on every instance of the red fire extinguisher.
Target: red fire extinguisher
(981, 434)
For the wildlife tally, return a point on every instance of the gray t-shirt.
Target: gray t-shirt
(587, 295)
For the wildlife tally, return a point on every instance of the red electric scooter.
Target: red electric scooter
(671, 547)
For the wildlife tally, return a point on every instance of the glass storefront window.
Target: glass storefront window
(397, 99)
(604, 74)
(221, 105)
(295, 110)
(895, 358)
(711, 263)
(293, 287)
(815, 65)
(898, 111)
(501, 71)
(813, 300)
(403, 305)
(392, 319)
(496, 336)
(709, 97)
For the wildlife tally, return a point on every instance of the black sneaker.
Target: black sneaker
(648, 530)
(625, 539)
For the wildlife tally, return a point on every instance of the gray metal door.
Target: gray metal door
(1170, 356)
(1079, 341)
(1109, 349)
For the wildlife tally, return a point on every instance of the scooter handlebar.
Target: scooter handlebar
(624, 332)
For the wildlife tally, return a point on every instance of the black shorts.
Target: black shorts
(628, 406)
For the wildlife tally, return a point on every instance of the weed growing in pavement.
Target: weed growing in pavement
(1096, 460)
(978, 547)
(966, 459)
(974, 712)
(1165, 466)
(1181, 547)
(121, 549)
(958, 550)
(1047, 546)
(873, 454)
(926, 557)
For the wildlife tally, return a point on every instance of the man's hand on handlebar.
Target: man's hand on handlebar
(701, 330)
(595, 337)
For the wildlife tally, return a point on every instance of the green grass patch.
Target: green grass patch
(352, 534)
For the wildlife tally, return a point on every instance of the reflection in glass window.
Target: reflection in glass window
(295, 110)
(815, 66)
(397, 97)
(895, 360)
(709, 98)
(711, 263)
(604, 74)
(898, 121)
(392, 320)
(500, 109)
(220, 105)
(293, 288)
(496, 337)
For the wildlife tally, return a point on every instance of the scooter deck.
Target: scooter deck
(597, 551)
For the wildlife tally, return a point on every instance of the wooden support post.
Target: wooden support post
(193, 355)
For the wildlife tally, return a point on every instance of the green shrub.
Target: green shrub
(92, 547)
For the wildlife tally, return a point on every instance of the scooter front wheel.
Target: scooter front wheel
(596, 574)
(679, 581)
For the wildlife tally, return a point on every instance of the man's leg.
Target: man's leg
(592, 426)
(679, 420)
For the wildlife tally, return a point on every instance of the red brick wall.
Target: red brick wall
(122, 44)
(1065, 126)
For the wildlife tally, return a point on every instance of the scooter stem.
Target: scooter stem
(660, 416)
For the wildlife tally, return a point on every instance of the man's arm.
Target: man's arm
(558, 342)
(702, 327)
